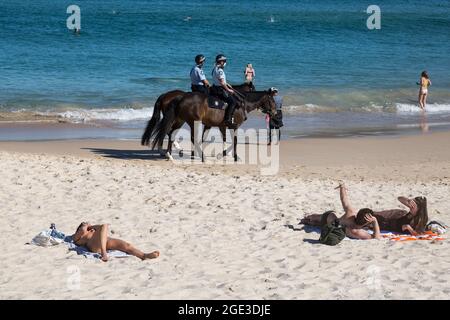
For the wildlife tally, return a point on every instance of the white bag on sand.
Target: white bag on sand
(437, 227)
(44, 239)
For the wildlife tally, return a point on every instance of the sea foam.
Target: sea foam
(126, 114)
(431, 108)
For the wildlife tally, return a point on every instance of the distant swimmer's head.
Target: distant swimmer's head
(360, 219)
(425, 74)
(328, 218)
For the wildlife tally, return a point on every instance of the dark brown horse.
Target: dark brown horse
(193, 106)
(163, 102)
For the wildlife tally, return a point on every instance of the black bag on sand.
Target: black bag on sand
(331, 233)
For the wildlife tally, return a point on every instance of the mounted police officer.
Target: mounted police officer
(198, 79)
(222, 89)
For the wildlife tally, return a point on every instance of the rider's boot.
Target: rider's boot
(229, 117)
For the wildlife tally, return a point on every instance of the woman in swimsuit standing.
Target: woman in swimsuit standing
(249, 73)
(424, 83)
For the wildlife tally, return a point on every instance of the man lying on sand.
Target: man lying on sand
(353, 221)
(95, 238)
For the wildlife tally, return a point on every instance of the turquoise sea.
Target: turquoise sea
(337, 76)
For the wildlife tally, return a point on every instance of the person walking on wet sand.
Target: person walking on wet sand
(424, 83)
(95, 238)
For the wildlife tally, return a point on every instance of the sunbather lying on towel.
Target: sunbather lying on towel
(399, 220)
(95, 238)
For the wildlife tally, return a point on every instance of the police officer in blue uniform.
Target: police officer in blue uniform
(199, 83)
(222, 89)
(276, 122)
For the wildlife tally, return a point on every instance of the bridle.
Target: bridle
(263, 108)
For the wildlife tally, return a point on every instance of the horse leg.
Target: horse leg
(169, 146)
(223, 131)
(160, 147)
(175, 144)
(206, 129)
(235, 145)
(193, 142)
(177, 125)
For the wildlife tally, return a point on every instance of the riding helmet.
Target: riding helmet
(199, 58)
(220, 57)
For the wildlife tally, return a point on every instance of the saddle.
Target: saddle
(216, 103)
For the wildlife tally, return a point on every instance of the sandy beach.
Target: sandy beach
(224, 232)
(360, 91)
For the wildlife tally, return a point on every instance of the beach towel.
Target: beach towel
(53, 237)
(47, 238)
(86, 253)
(427, 235)
(391, 236)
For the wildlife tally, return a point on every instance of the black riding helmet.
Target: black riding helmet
(220, 57)
(199, 58)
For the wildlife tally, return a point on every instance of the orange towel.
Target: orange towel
(427, 235)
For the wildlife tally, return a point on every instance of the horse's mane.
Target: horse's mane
(254, 96)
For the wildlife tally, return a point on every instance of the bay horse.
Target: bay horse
(163, 102)
(193, 106)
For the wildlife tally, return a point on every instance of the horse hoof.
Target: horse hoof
(180, 153)
(169, 156)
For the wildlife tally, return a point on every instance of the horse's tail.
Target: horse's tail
(165, 126)
(151, 125)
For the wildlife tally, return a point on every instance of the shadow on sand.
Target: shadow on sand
(307, 229)
(127, 154)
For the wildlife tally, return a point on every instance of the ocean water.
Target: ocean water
(336, 76)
